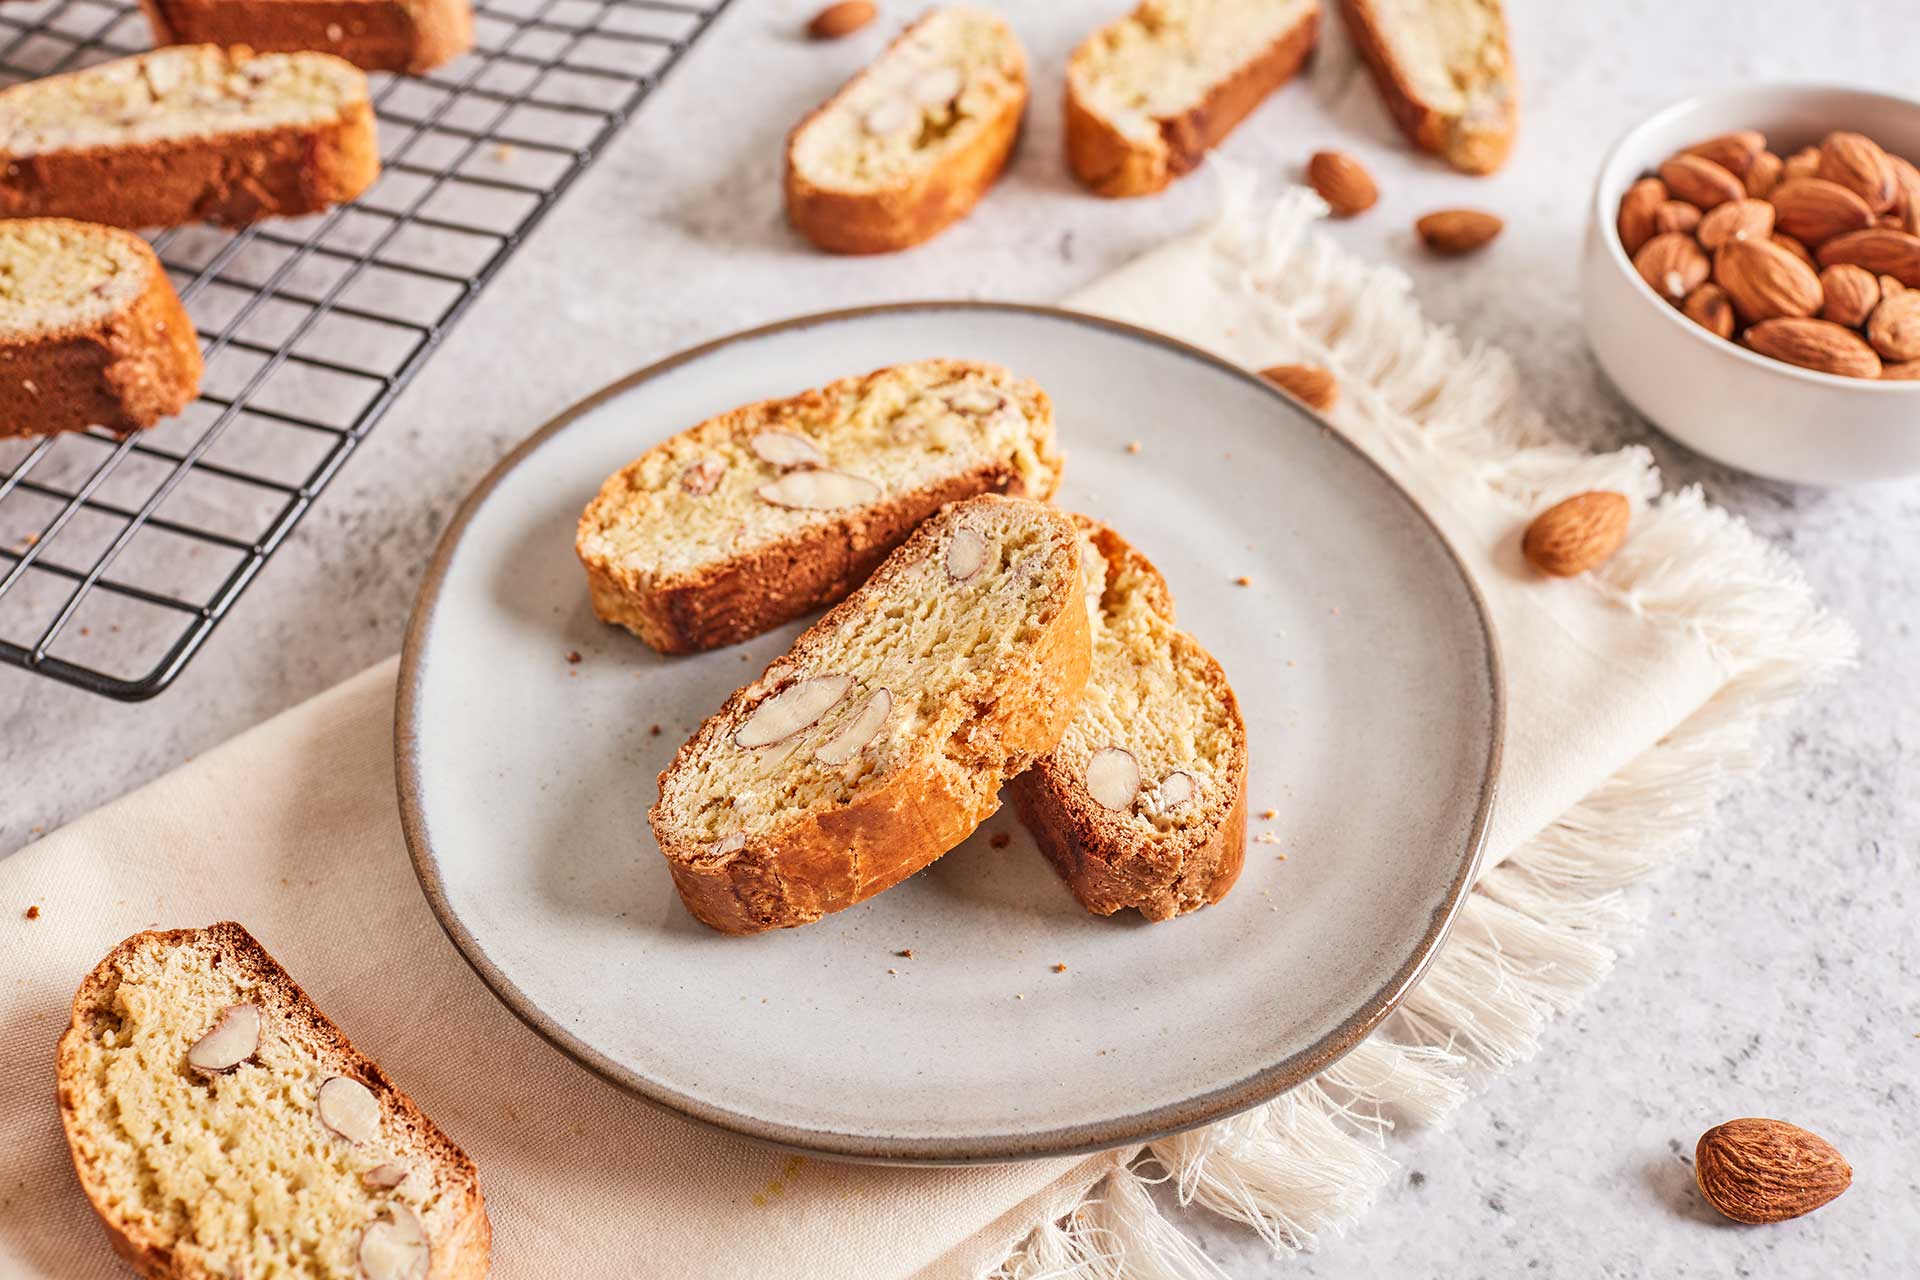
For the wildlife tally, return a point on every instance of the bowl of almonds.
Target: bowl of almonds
(1751, 279)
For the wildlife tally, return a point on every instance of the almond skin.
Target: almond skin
(1813, 210)
(1673, 265)
(1700, 181)
(1804, 163)
(1758, 1171)
(1734, 152)
(1675, 215)
(1637, 208)
(1709, 307)
(1795, 248)
(1765, 281)
(1894, 327)
(1820, 345)
(1764, 175)
(1573, 536)
(1879, 250)
(1907, 204)
(1857, 163)
(1850, 294)
(1342, 182)
(1452, 232)
(1747, 219)
(1905, 371)
(841, 19)
(1308, 383)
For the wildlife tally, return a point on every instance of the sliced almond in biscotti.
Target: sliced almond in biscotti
(1445, 70)
(222, 1126)
(377, 35)
(775, 509)
(910, 144)
(188, 133)
(1149, 95)
(881, 739)
(91, 331)
(1143, 803)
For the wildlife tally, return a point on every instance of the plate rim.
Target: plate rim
(1069, 1140)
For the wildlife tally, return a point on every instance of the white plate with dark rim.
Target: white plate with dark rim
(1366, 668)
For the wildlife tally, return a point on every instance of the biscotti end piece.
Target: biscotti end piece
(909, 145)
(91, 331)
(185, 134)
(1148, 96)
(775, 509)
(1143, 803)
(221, 1127)
(412, 36)
(882, 738)
(1445, 70)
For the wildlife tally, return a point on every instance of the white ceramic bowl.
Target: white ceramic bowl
(1746, 410)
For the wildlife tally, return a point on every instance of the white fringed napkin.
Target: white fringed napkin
(1633, 699)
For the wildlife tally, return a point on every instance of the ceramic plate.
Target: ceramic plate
(1366, 670)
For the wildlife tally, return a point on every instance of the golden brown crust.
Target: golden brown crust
(124, 373)
(1102, 861)
(472, 1233)
(1477, 146)
(1113, 165)
(378, 35)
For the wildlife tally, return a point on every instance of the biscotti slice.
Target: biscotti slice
(1445, 69)
(881, 739)
(1148, 96)
(775, 509)
(1144, 801)
(187, 133)
(91, 331)
(910, 144)
(377, 35)
(222, 1127)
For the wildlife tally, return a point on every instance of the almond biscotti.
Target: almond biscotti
(881, 739)
(910, 144)
(188, 133)
(1148, 96)
(1445, 70)
(222, 1127)
(377, 35)
(91, 331)
(1143, 803)
(775, 509)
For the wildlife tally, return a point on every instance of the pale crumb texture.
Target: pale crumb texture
(184, 91)
(1167, 56)
(57, 276)
(1455, 59)
(924, 99)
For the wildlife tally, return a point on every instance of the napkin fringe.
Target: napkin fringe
(1542, 927)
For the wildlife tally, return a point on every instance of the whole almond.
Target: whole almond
(1857, 163)
(1573, 536)
(1342, 182)
(1672, 264)
(1757, 1171)
(1734, 152)
(1747, 219)
(1879, 250)
(1675, 215)
(1456, 231)
(1815, 344)
(1804, 163)
(1709, 308)
(842, 19)
(1637, 208)
(1308, 383)
(1764, 174)
(1795, 248)
(1907, 204)
(1894, 327)
(1764, 281)
(1700, 181)
(1849, 294)
(1890, 286)
(1814, 210)
(1905, 371)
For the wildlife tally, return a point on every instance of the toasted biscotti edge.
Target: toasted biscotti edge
(824, 863)
(135, 367)
(1089, 851)
(895, 218)
(410, 36)
(1112, 165)
(473, 1233)
(1478, 147)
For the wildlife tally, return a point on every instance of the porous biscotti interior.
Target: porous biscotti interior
(1452, 52)
(1165, 58)
(922, 99)
(910, 427)
(183, 91)
(57, 275)
(935, 645)
(233, 1173)
(1152, 695)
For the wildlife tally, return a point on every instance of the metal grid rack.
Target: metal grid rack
(118, 556)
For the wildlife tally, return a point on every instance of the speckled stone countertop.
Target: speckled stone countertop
(1779, 973)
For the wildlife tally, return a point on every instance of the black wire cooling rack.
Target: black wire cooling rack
(118, 557)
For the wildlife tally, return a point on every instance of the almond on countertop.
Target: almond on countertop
(1342, 182)
(842, 19)
(1757, 1171)
(1452, 232)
